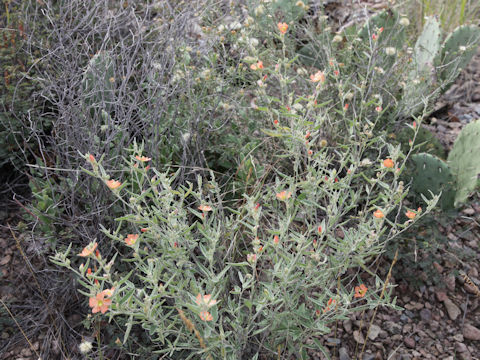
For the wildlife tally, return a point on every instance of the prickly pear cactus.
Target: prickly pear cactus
(433, 174)
(427, 47)
(422, 78)
(457, 50)
(98, 81)
(464, 160)
(425, 138)
(386, 27)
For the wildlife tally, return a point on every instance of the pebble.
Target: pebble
(452, 309)
(393, 328)
(347, 325)
(465, 356)
(470, 332)
(425, 314)
(374, 331)
(441, 295)
(460, 347)
(358, 336)
(450, 282)
(343, 354)
(409, 342)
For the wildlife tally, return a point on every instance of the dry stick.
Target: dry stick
(191, 327)
(336, 321)
(19, 247)
(20, 328)
(389, 275)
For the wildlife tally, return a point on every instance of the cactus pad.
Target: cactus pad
(427, 47)
(425, 138)
(464, 160)
(392, 33)
(433, 174)
(457, 51)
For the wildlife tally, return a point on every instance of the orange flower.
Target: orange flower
(275, 122)
(113, 184)
(144, 230)
(284, 195)
(378, 214)
(109, 292)
(410, 214)
(131, 239)
(205, 300)
(276, 239)
(92, 159)
(282, 27)
(205, 208)
(378, 109)
(330, 302)
(89, 249)
(388, 163)
(142, 158)
(360, 291)
(99, 303)
(251, 258)
(318, 76)
(258, 65)
(319, 229)
(205, 316)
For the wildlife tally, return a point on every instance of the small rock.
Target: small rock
(343, 354)
(409, 342)
(5, 260)
(468, 211)
(333, 341)
(392, 327)
(26, 352)
(470, 332)
(434, 324)
(425, 314)
(465, 356)
(407, 328)
(460, 347)
(441, 295)
(347, 325)
(374, 331)
(358, 336)
(397, 337)
(452, 309)
(473, 272)
(450, 282)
